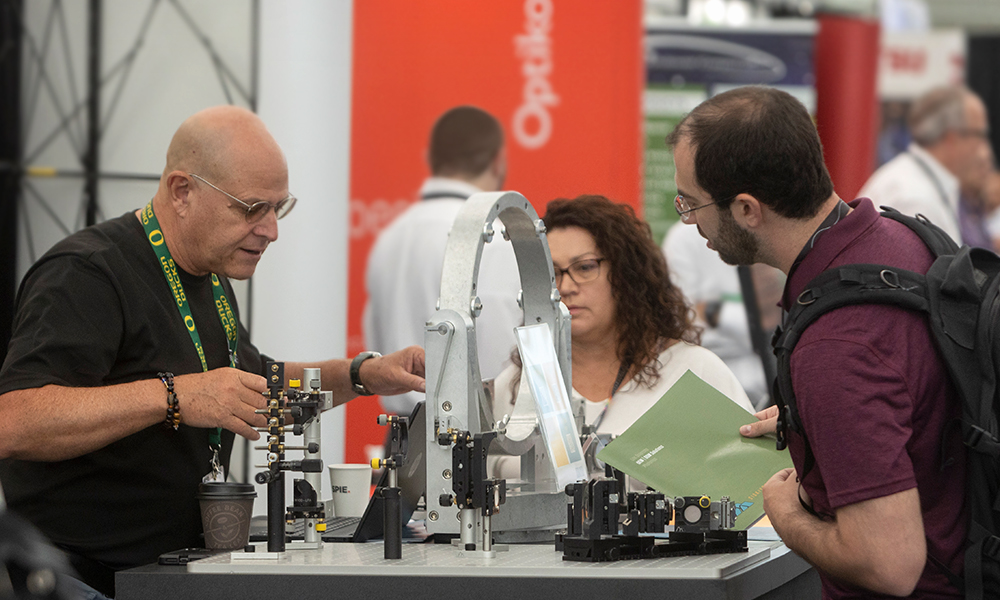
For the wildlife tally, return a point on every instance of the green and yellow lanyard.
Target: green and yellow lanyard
(226, 316)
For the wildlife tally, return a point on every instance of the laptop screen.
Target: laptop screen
(410, 478)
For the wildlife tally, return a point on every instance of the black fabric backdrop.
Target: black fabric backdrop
(983, 77)
(10, 148)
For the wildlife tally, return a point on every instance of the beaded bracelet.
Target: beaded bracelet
(173, 407)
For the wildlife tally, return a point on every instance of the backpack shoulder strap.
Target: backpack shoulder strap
(847, 285)
(831, 289)
(936, 240)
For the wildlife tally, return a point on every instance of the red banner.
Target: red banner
(846, 102)
(564, 79)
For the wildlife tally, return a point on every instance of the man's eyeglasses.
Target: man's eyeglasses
(983, 134)
(581, 271)
(684, 209)
(257, 210)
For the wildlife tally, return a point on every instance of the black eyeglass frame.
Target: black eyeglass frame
(568, 271)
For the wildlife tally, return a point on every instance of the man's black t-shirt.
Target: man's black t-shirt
(96, 310)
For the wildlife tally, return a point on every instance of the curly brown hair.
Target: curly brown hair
(651, 309)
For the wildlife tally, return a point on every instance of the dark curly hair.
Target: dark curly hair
(650, 309)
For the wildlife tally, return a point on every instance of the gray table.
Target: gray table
(345, 571)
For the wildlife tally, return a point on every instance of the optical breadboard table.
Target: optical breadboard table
(767, 570)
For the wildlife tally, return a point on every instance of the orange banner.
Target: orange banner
(564, 79)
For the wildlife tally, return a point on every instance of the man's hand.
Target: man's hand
(395, 373)
(878, 544)
(767, 422)
(224, 398)
(781, 497)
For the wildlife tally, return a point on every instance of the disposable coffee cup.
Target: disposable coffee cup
(225, 513)
(350, 485)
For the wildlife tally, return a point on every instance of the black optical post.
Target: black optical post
(392, 518)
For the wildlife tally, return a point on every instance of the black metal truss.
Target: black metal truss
(81, 121)
(10, 151)
(25, 57)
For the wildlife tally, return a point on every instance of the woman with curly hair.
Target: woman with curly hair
(632, 331)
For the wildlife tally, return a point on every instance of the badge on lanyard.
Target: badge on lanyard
(217, 472)
(229, 323)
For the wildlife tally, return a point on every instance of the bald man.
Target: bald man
(96, 451)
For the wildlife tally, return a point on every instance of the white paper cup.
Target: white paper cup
(350, 485)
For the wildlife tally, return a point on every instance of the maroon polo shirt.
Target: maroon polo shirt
(874, 398)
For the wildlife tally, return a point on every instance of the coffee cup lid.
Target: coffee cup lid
(217, 489)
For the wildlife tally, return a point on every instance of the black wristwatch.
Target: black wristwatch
(359, 388)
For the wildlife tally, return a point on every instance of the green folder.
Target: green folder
(689, 444)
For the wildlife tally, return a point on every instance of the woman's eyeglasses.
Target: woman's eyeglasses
(581, 271)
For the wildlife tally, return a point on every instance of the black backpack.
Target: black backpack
(961, 296)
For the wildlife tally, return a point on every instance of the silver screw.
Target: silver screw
(446, 474)
(446, 406)
(433, 515)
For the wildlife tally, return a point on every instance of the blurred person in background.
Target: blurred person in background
(403, 277)
(950, 152)
(976, 209)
